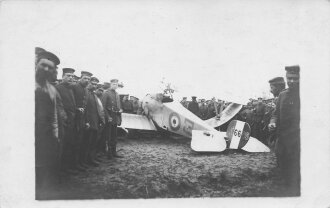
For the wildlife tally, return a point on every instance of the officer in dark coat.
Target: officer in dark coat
(277, 85)
(113, 110)
(79, 92)
(46, 125)
(286, 119)
(193, 106)
(70, 145)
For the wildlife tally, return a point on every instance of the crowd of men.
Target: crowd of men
(76, 120)
(275, 122)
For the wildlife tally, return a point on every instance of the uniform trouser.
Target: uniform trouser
(91, 143)
(101, 141)
(112, 139)
(70, 157)
(288, 157)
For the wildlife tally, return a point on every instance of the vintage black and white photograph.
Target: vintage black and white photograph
(171, 99)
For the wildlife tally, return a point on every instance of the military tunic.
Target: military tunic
(287, 119)
(194, 108)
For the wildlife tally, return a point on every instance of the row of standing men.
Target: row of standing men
(75, 122)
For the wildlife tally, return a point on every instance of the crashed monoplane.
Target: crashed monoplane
(161, 112)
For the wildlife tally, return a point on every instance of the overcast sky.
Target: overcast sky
(226, 49)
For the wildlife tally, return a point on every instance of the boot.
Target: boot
(114, 153)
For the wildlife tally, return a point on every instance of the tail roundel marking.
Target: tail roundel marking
(174, 121)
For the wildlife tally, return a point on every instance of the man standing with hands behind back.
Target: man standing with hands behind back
(286, 118)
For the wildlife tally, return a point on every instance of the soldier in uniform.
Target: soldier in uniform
(106, 85)
(94, 123)
(111, 103)
(69, 162)
(193, 106)
(46, 125)
(79, 92)
(184, 102)
(277, 85)
(286, 119)
(203, 109)
(259, 113)
(127, 105)
(135, 102)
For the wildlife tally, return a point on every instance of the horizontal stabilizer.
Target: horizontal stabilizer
(207, 141)
(228, 113)
(133, 121)
(254, 145)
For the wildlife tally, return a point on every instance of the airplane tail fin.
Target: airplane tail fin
(207, 141)
(238, 134)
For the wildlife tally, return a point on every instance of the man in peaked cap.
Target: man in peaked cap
(277, 85)
(184, 102)
(286, 120)
(69, 158)
(94, 122)
(113, 110)
(193, 106)
(79, 92)
(47, 123)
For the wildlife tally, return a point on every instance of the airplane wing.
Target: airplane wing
(133, 121)
(228, 113)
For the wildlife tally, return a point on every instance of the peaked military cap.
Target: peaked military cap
(193, 97)
(86, 73)
(68, 70)
(114, 81)
(38, 50)
(292, 69)
(277, 80)
(94, 79)
(50, 56)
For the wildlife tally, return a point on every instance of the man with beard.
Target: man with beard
(70, 151)
(286, 119)
(277, 85)
(47, 144)
(79, 92)
(111, 103)
(193, 106)
(94, 123)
